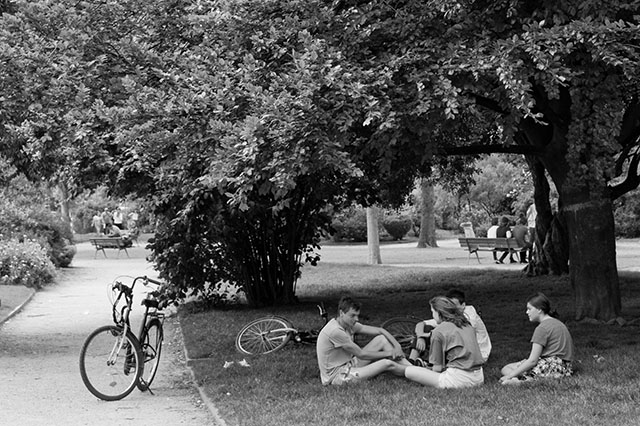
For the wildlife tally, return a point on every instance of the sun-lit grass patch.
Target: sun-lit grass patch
(284, 387)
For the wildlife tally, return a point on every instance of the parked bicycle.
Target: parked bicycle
(272, 333)
(113, 361)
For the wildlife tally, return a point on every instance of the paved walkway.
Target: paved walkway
(40, 381)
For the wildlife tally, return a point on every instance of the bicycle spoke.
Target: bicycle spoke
(263, 336)
(110, 363)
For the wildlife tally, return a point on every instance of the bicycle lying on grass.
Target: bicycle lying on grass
(113, 361)
(272, 333)
(269, 334)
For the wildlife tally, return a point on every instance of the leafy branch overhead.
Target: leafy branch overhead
(242, 119)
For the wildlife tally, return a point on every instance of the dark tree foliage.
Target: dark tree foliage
(555, 81)
(247, 122)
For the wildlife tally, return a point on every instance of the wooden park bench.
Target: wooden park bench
(476, 244)
(109, 243)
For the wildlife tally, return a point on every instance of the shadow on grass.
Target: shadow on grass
(284, 387)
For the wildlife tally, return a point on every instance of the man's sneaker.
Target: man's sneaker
(418, 362)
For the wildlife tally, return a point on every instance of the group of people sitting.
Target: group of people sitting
(501, 228)
(455, 343)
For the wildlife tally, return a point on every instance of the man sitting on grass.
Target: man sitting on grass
(342, 361)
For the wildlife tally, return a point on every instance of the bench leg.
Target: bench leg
(474, 252)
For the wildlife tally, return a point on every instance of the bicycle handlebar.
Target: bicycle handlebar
(152, 281)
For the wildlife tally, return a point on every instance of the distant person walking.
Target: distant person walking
(97, 223)
(118, 218)
(107, 220)
(532, 214)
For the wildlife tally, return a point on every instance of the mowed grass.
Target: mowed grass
(284, 388)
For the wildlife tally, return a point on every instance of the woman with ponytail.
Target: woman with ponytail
(453, 351)
(551, 346)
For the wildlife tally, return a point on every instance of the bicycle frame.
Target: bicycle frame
(121, 318)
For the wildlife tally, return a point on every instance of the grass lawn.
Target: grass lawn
(284, 388)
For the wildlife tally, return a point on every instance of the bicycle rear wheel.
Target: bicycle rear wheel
(151, 346)
(110, 363)
(403, 330)
(264, 335)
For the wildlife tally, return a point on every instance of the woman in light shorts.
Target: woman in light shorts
(453, 353)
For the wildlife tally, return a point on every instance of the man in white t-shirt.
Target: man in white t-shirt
(492, 232)
(341, 360)
(423, 328)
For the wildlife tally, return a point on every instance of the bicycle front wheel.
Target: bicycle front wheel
(151, 345)
(264, 335)
(110, 363)
(403, 330)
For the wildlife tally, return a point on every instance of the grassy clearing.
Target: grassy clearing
(284, 388)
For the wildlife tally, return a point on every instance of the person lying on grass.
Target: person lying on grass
(423, 330)
(453, 353)
(551, 347)
(341, 360)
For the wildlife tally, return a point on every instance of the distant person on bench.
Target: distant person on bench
(503, 231)
(113, 231)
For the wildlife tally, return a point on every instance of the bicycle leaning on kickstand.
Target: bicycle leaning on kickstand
(113, 361)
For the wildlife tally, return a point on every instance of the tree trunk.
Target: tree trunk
(64, 202)
(373, 237)
(427, 218)
(592, 256)
(585, 209)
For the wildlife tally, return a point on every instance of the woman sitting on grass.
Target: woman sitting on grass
(551, 347)
(453, 352)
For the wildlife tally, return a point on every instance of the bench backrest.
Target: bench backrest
(107, 242)
(508, 243)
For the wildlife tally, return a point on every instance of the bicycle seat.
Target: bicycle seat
(152, 303)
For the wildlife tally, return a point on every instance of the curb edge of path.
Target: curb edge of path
(205, 398)
(18, 308)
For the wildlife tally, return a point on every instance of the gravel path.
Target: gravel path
(39, 348)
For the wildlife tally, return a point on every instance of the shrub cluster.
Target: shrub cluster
(626, 215)
(27, 213)
(40, 225)
(397, 226)
(25, 263)
(350, 226)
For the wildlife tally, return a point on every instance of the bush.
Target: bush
(397, 226)
(626, 214)
(350, 225)
(26, 215)
(476, 217)
(25, 263)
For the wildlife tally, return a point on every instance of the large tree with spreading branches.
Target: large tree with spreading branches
(556, 81)
(246, 121)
